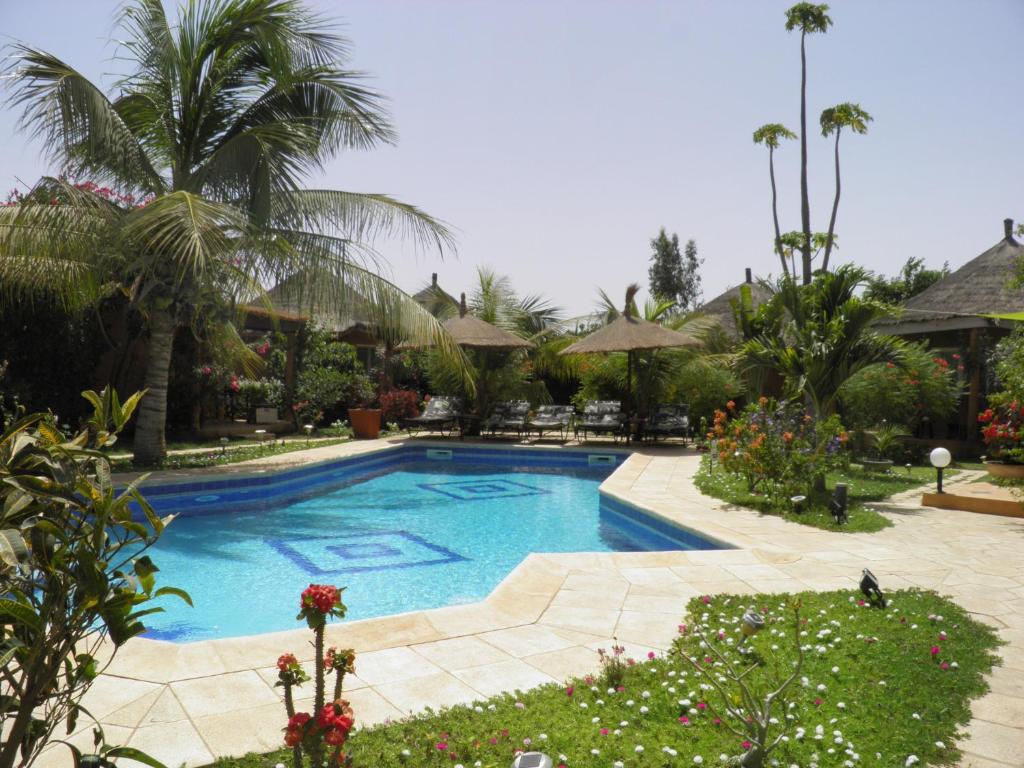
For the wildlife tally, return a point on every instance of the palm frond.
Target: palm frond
(359, 216)
(79, 127)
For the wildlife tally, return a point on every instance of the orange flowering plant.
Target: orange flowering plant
(777, 447)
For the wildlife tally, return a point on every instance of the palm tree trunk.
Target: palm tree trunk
(835, 208)
(805, 204)
(775, 210)
(150, 440)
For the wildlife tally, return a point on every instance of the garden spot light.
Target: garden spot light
(224, 445)
(798, 503)
(940, 459)
(839, 503)
(751, 623)
(532, 760)
(872, 589)
(308, 429)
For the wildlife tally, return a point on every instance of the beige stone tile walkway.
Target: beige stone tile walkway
(190, 703)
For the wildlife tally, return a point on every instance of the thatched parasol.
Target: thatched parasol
(629, 334)
(474, 333)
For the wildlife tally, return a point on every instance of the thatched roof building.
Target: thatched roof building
(719, 309)
(974, 296)
(965, 314)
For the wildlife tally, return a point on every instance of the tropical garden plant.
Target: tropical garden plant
(194, 169)
(74, 574)
(825, 338)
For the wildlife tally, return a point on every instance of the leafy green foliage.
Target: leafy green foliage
(913, 278)
(925, 385)
(330, 379)
(881, 690)
(673, 276)
(1007, 362)
(73, 569)
(825, 339)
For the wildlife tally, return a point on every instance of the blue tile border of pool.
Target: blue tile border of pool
(268, 487)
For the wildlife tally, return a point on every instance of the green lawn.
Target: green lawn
(862, 487)
(876, 687)
(217, 457)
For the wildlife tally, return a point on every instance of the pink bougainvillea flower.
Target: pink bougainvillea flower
(935, 651)
(717, 721)
(944, 666)
(604, 731)
(817, 702)
(706, 599)
(684, 720)
(942, 635)
(441, 746)
(746, 744)
(569, 691)
(701, 705)
(650, 655)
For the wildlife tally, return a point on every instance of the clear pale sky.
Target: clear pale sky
(557, 136)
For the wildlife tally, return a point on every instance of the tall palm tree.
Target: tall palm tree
(769, 135)
(217, 121)
(810, 19)
(833, 120)
(825, 339)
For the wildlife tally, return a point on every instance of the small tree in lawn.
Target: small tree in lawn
(320, 736)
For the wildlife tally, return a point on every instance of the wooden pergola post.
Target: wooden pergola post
(974, 385)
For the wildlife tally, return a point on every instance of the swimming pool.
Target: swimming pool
(403, 530)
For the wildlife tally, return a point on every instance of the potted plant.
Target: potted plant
(1002, 432)
(365, 416)
(883, 443)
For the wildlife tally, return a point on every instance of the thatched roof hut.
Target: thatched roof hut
(974, 296)
(472, 332)
(719, 309)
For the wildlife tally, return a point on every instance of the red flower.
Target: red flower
(569, 691)
(335, 737)
(285, 660)
(292, 737)
(299, 719)
(322, 597)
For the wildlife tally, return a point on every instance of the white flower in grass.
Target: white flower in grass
(835, 670)
(644, 710)
(630, 703)
(697, 759)
(954, 665)
(478, 709)
(638, 748)
(723, 758)
(624, 724)
(600, 702)
(916, 716)
(822, 688)
(645, 695)
(911, 761)
(617, 731)
(595, 752)
(563, 758)
(841, 705)
(583, 705)
(940, 745)
(618, 764)
(491, 707)
(595, 720)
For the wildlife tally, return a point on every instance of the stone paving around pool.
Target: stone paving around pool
(187, 704)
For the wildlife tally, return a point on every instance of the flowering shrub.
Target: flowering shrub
(398, 404)
(1003, 430)
(320, 737)
(928, 385)
(778, 448)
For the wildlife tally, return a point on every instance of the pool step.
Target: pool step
(439, 454)
(599, 459)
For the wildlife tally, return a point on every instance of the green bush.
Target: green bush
(73, 572)
(927, 385)
(330, 379)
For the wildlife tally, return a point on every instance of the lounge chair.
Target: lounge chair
(668, 421)
(509, 416)
(602, 417)
(551, 417)
(439, 414)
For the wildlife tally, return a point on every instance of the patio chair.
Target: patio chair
(509, 416)
(602, 417)
(552, 417)
(440, 413)
(668, 421)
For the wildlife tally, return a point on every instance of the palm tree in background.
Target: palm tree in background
(218, 121)
(833, 120)
(769, 135)
(810, 19)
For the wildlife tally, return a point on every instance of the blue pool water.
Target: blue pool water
(404, 535)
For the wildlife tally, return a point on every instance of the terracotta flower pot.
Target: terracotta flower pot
(365, 422)
(998, 469)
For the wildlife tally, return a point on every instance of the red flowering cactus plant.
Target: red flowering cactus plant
(1003, 432)
(320, 737)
